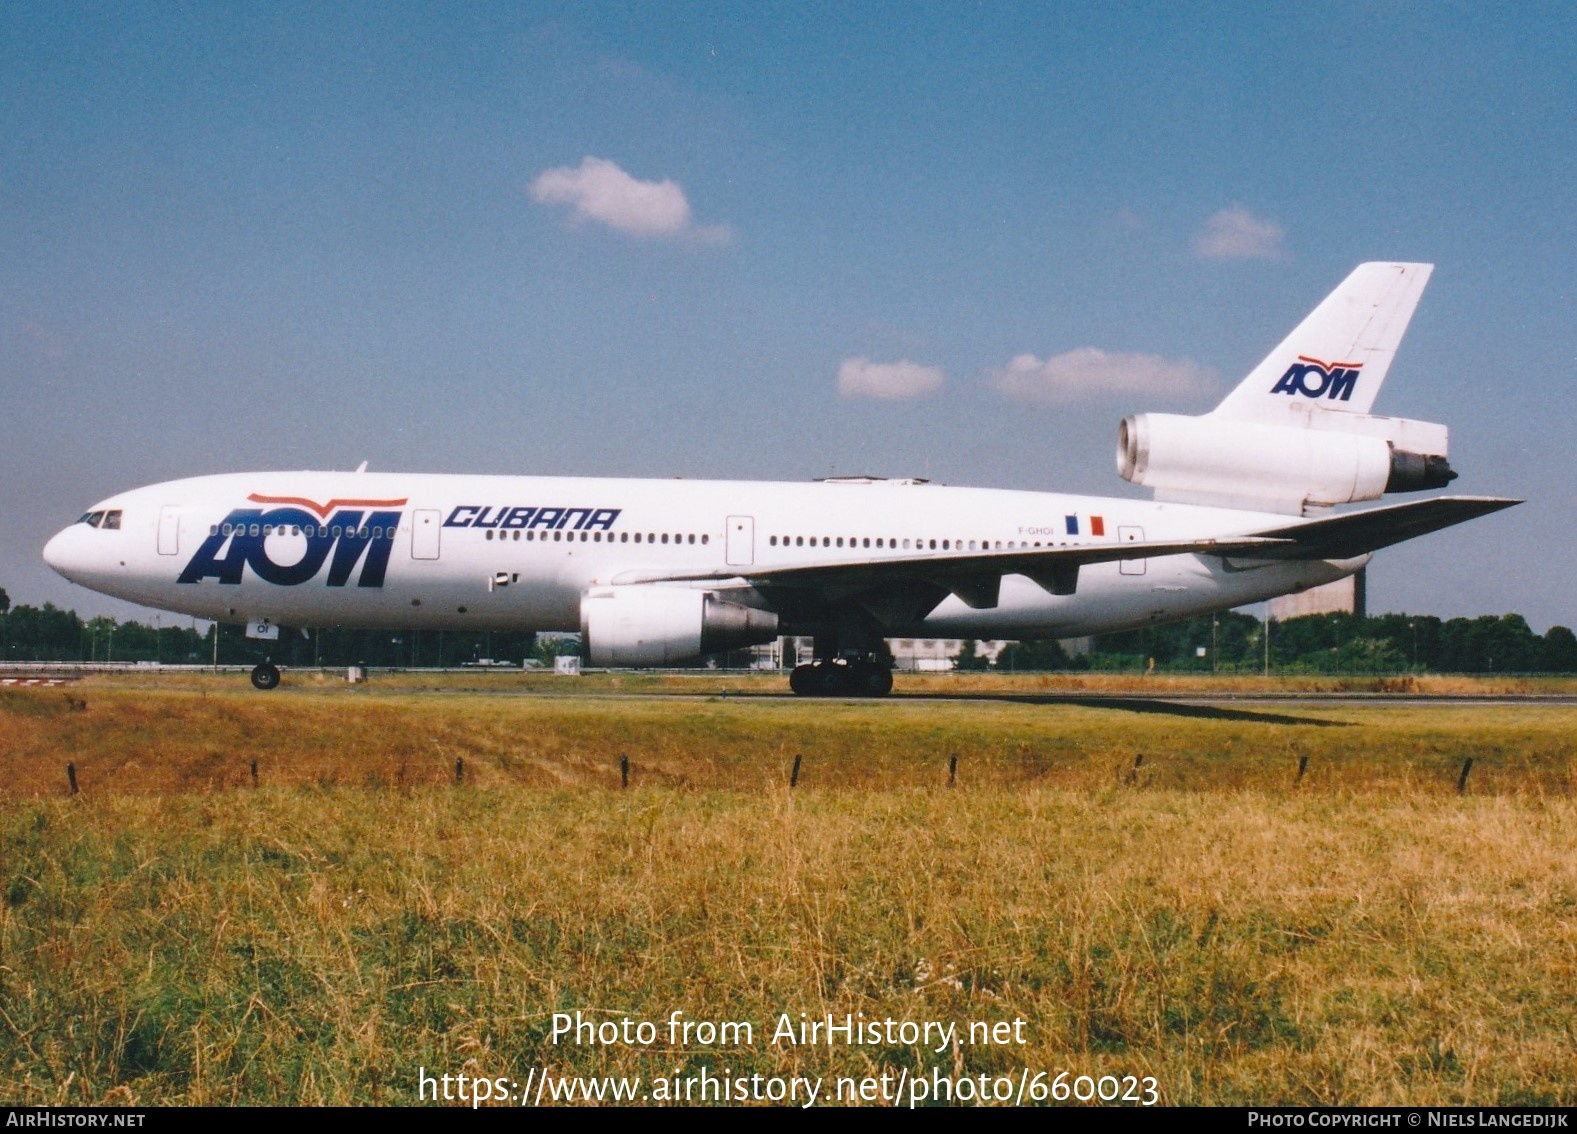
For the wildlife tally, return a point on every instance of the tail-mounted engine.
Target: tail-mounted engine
(1322, 460)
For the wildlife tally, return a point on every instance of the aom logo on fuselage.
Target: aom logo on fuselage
(289, 545)
(1315, 379)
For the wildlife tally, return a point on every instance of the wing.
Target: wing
(908, 587)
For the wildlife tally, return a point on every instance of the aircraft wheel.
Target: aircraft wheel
(835, 680)
(265, 676)
(876, 681)
(802, 680)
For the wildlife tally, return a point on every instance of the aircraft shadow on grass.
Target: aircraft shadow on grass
(1139, 705)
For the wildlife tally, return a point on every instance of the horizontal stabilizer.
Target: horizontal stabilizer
(1358, 533)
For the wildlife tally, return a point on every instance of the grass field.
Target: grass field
(1205, 916)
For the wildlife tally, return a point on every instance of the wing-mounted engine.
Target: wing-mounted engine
(648, 624)
(1297, 435)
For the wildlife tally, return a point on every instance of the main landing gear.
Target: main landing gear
(265, 675)
(841, 677)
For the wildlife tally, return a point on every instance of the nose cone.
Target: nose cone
(66, 553)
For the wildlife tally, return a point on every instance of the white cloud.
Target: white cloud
(892, 381)
(600, 190)
(1088, 373)
(1237, 234)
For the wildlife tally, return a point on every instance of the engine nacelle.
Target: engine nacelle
(1237, 463)
(646, 624)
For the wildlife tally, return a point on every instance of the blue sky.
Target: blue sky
(698, 240)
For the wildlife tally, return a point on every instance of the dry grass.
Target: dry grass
(1365, 936)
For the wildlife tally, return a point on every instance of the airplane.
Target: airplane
(661, 572)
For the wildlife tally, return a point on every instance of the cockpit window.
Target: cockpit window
(92, 519)
(111, 520)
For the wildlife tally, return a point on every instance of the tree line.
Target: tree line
(1317, 643)
(1230, 643)
(47, 633)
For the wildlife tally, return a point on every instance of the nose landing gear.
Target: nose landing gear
(265, 675)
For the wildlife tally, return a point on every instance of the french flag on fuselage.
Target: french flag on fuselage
(1097, 525)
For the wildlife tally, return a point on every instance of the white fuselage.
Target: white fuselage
(308, 549)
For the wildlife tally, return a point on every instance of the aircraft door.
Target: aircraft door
(1131, 535)
(169, 530)
(425, 532)
(741, 541)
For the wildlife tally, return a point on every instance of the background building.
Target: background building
(1345, 596)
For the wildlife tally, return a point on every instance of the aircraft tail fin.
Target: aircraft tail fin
(1338, 356)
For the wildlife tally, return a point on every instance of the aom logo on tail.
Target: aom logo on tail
(1315, 379)
(288, 546)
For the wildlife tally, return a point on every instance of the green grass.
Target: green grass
(1364, 936)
